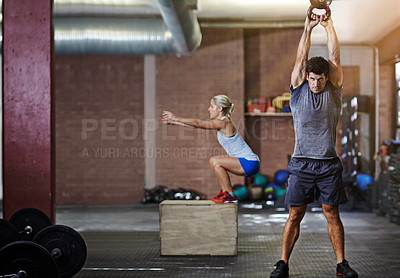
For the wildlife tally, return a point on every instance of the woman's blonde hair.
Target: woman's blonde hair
(224, 102)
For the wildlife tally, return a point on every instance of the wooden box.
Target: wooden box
(198, 228)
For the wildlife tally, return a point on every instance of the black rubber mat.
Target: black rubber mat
(372, 248)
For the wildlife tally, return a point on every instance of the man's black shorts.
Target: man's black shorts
(314, 179)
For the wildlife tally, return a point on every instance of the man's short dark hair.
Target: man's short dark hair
(317, 65)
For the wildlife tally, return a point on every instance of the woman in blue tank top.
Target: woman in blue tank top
(240, 159)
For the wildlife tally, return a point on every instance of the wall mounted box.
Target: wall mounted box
(198, 228)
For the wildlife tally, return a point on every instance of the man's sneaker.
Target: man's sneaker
(224, 198)
(344, 270)
(281, 270)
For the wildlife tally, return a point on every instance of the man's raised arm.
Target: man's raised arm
(299, 70)
(335, 68)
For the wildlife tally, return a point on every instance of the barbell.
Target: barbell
(66, 246)
(53, 251)
(29, 257)
(29, 221)
(20, 274)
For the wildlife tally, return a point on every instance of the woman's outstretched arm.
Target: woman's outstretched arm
(170, 118)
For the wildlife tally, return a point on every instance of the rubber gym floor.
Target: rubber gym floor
(124, 242)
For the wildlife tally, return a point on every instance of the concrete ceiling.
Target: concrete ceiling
(357, 21)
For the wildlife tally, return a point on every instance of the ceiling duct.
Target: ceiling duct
(74, 35)
(114, 29)
(178, 32)
(182, 23)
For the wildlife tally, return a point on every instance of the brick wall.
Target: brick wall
(278, 54)
(252, 60)
(389, 53)
(99, 115)
(270, 56)
(389, 47)
(387, 102)
(185, 87)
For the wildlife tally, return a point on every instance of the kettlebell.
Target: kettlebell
(319, 4)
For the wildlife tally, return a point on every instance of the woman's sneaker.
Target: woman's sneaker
(216, 198)
(281, 270)
(224, 197)
(229, 199)
(344, 270)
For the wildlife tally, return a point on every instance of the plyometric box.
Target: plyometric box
(198, 228)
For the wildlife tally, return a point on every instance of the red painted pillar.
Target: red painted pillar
(28, 179)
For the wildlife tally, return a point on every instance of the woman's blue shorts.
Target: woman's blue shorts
(250, 167)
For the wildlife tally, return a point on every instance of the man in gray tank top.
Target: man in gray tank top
(315, 171)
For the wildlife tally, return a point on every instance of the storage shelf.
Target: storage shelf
(269, 114)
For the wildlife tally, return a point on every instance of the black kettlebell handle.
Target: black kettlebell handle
(310, 13)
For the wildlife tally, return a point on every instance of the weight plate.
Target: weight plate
(29, 257)
(66, 246)
(8, 233)
(29, 221)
